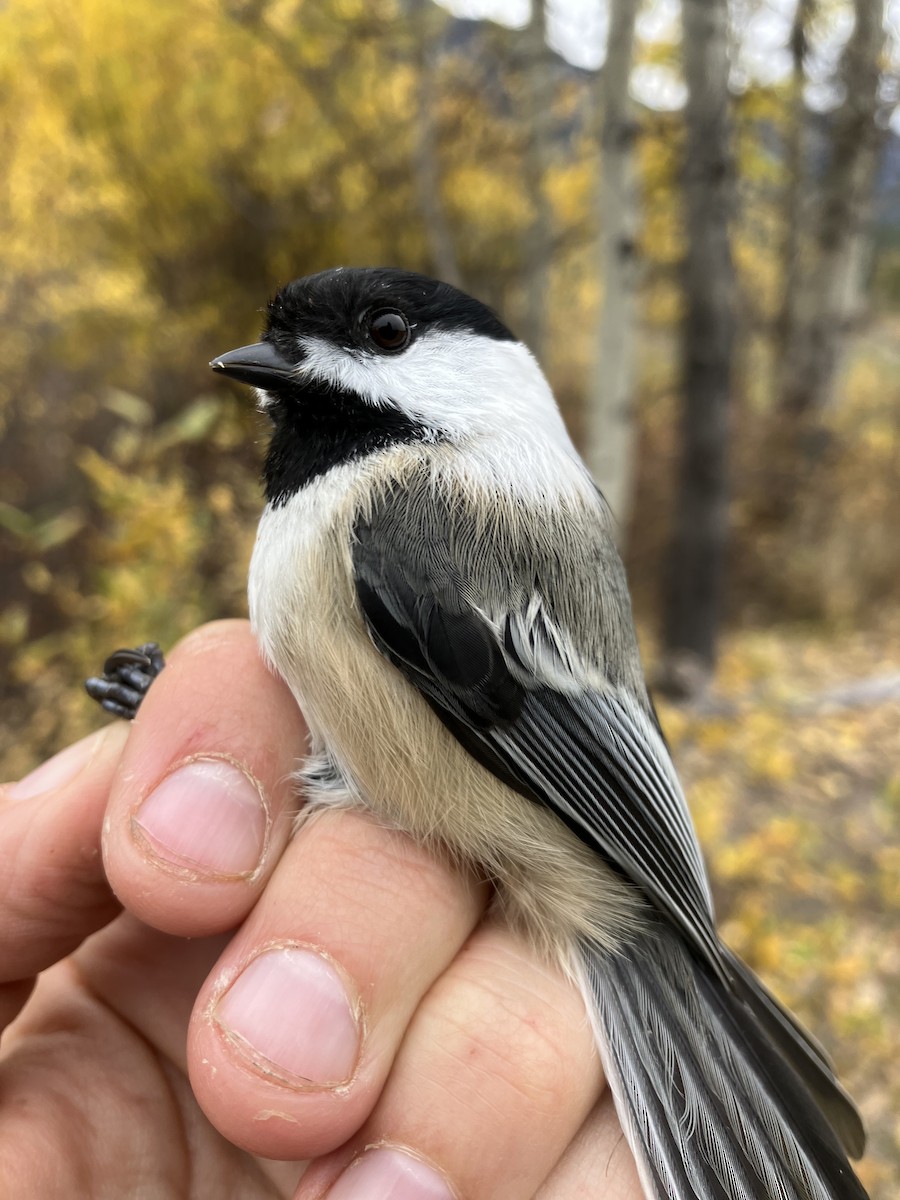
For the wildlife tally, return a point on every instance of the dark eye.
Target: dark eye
(389, 330)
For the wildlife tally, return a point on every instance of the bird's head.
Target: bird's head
(354, 359)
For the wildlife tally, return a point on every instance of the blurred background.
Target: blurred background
(690, 211)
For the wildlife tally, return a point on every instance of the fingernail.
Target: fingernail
(289, 1014)
(387, 1173)
(209, 816)
(56, 772)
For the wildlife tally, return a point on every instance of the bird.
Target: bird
(435, 576)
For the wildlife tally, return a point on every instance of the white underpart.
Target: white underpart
(288, 540)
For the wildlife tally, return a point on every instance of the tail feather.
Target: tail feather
(804, 1054)
(712, 1109)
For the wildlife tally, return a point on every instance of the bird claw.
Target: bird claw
(126, 678)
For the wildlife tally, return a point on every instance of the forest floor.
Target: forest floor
(792, 771)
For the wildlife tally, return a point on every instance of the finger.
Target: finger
(200, 809)
(53, 892)
(117, 964)
(87, 1109)
(597, 1163)
(297, 1029)
(495, 1077)
(13, 997)
(91, 1105)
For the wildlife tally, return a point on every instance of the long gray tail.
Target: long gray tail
(715, 1089)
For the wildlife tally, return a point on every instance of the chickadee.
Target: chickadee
(435, 578)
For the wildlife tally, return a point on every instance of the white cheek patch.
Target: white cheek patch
(345, 368)
(459, 384)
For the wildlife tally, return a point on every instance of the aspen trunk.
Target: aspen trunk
(539, 237)
(609, 425)
(820, 308)
(426, 23)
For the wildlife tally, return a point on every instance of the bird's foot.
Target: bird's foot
(126, 678)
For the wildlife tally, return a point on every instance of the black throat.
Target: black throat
(321, 427)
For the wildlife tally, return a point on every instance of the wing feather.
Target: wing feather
(564, 721)
(511, 688)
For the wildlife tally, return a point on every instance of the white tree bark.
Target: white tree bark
(538, 248)
(609, 423)
(426, 23)
(826, 297)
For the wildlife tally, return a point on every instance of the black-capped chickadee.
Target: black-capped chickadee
(436, 580)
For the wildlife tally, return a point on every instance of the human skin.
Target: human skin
(214, 995)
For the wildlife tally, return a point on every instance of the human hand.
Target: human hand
(338, 997)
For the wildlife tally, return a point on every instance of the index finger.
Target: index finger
(201, 805)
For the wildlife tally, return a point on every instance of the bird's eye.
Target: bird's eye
(389, 330)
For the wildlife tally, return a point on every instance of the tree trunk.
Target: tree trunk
(426, 20)
(827, 294)
(609, 426)
(797, 191)
(696, 567)
(539, 236)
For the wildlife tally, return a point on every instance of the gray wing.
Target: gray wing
(510, 686)
(476, 623)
